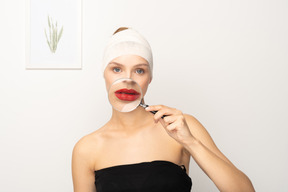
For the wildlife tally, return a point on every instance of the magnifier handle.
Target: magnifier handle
(156, 112)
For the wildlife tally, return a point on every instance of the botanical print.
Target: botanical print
(54, 36)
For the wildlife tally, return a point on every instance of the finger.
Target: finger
(158, 115)
(163, 113)
(174, 121)
(171, 127)
(169, 119)
(163, 110)
(154, 107)
(158, 108)
(163, 123)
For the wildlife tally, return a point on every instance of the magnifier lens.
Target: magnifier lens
(125, 95)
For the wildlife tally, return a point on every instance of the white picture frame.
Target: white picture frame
(53, 34)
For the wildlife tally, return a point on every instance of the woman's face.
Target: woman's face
(128, 66)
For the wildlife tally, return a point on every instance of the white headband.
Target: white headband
(127, 42)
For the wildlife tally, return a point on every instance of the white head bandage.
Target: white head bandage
(127, 42)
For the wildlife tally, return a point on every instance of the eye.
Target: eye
(116, 69)
(139, 71)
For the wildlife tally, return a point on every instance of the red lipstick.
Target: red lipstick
(127, 94)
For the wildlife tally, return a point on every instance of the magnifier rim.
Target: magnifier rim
(123, 79)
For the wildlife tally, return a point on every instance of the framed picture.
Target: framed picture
(53, 34)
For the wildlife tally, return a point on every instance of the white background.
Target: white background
(225, 62)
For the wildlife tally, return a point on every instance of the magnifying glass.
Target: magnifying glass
(125, 95)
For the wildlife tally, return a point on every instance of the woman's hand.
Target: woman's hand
(202, 148)
(173, 121)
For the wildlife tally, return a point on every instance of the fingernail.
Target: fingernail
(147, 108)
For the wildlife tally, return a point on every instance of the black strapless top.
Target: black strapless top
(154, 176)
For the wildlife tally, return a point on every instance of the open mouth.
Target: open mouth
(127, 94)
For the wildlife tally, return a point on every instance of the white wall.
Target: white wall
(225, 62)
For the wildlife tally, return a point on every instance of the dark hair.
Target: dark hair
(120, 29)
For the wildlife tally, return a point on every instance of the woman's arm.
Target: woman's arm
(82, 169)
(196, 140)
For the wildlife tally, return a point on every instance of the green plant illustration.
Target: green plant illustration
(54, 36)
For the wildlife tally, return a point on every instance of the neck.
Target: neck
(133, 120)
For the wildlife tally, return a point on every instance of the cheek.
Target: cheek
(109, 79)
(144, 88)
(108, 83)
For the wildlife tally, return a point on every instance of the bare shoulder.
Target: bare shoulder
(88, 145)
(83, 161)
(200, 132)
(196, 128)
(202, 135)
(84, 145)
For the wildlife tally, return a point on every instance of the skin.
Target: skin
(124, 138)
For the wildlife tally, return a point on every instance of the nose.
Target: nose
(130, 84)
(128, 74)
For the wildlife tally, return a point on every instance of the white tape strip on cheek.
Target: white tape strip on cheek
(127, 42)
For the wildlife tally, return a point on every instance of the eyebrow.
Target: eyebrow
(140, 64)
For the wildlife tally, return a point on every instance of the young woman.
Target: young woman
(142, 152)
